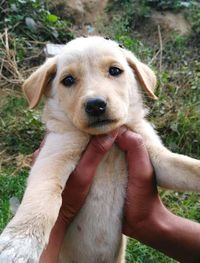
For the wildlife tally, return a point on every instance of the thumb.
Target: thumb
(96, 149)
(139, 163)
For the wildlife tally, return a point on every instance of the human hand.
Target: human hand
(80, 180)
(145, 217)
(143, 205)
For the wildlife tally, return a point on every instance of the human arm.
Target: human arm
(145, 217)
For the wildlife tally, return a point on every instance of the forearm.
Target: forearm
(176, 237)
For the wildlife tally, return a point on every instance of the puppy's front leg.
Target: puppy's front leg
(173, 171)
(26, 235)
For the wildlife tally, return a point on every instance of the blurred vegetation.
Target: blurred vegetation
(25, 27)
(31, 19)
(30, 24)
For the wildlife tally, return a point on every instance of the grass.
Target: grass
(20, 134)
(21, 129)
(139, 253)
(10, 186)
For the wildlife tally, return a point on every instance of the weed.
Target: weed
(135, 45)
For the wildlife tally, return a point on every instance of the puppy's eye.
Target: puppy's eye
(68, 81)
(114, 71)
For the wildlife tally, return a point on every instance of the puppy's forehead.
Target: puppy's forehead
(90, 48)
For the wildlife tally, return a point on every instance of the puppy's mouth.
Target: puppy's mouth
(100, 122)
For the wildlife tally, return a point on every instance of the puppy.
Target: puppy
(92, 87)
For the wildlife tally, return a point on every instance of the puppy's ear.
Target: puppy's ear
(144, 74)
(36, 85)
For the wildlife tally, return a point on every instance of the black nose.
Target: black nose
(95, 106)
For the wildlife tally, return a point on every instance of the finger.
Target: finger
(96, 150)
(128, 140)
(139, 164)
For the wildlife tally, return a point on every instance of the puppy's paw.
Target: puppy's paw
(19, 249)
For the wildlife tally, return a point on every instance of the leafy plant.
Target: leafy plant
(26, 26)
(33, 20)
(135, 45)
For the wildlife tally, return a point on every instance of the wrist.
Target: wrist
(162, 226)
(157, 223)
(174, 236)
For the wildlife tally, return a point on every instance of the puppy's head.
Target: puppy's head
(94, 82)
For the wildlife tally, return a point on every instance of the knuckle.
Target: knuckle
(66, 213)
(82, 183)
(101, 145)
(137, 140)
(82, 178)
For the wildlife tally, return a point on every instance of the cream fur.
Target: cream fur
(95, 234)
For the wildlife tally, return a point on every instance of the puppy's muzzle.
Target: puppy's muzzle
(95, 107)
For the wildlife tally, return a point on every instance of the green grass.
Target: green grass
(20, 129)
(10, 186)
(20, 135)
(139, 253)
